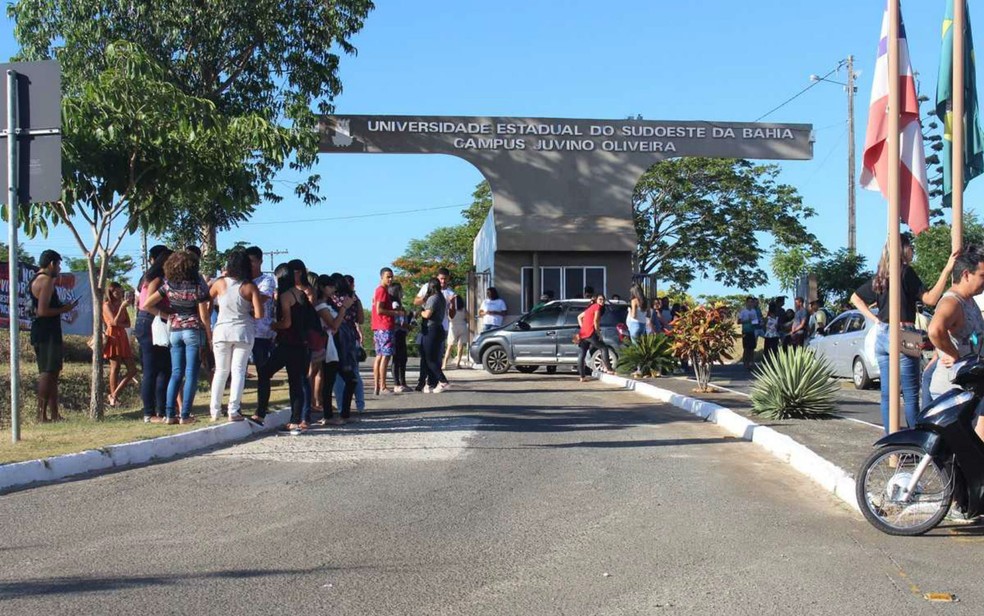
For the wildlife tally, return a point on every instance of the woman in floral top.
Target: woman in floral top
(190, 321)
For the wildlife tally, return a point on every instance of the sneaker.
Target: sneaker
(426, 389)
(398, 389)
(147, 418)
(440, 387)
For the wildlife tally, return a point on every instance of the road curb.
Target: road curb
(20, 474)
(828, 475)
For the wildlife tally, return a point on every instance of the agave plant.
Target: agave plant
(793, 382)
(650, 355)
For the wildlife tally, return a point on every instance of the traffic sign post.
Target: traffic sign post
(32, 102)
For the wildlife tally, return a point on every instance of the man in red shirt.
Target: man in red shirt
(383, 325)
(589, 337)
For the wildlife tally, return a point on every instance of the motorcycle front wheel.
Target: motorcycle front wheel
(881, 484)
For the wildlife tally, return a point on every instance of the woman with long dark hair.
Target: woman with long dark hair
(117, 347)
(589, 337)
(240, 304)
(154, 360)
(875, 291)
(637, 317)
(190, 322)
(332, 318)
(291, 351)
(432, 328)
(346, 340)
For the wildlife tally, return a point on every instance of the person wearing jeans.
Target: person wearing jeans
(875, 291)
(186, 345)
(909, 378)
(589, 337)
(432, 320)
(155, 360)
(190, 321)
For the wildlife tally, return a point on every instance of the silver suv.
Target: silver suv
(544, 338)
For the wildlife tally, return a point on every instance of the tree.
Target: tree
(788, 265)
(133, 143)
(22, 255)
(932, 246)
(117, 269)
(839, 275)
(703, 217)
(271, 59)
(449, 247)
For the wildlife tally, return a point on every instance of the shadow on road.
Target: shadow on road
(83, 584)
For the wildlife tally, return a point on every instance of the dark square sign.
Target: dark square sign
(39, 118)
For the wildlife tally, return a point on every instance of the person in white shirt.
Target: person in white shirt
(493, 310)
(267, 285)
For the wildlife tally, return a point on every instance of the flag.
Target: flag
(914, 206)
(973, 154)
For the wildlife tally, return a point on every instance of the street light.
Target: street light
(851, 89)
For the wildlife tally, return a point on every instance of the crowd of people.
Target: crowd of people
(308, 325)
(295, 321)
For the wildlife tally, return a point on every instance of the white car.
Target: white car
(848, 345)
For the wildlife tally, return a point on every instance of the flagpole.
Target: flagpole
(894, 197)
(957, 151)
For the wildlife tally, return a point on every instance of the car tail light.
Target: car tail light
(623, 332)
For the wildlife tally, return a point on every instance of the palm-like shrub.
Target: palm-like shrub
(651, 355)
(703, 336)
(793, 382)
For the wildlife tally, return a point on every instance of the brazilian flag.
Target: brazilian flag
(973, 137)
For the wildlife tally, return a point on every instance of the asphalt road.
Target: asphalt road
(516, 495)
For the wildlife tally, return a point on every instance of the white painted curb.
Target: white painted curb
(128, 454)
(828, 475)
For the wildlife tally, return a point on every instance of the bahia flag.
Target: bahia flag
(914, 206)
(973, 154)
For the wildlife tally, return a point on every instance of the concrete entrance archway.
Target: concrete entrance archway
(561, 188)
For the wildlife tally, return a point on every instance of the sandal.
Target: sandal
(256, 419)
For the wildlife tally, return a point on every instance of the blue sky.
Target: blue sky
(709, 60)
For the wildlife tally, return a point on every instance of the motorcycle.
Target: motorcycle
(908, 484)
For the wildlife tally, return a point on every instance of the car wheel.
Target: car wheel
(527, 369)
(598, 362)
(859, 374)
(495, 360)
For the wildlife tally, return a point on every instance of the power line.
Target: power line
(355, 216)
(797, 95)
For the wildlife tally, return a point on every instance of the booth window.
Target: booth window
(565, 282)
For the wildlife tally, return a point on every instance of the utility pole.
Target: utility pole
(143, 251)
(852, 242)
(13, 207)
(275, 252)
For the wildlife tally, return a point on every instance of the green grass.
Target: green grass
(122, 424)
